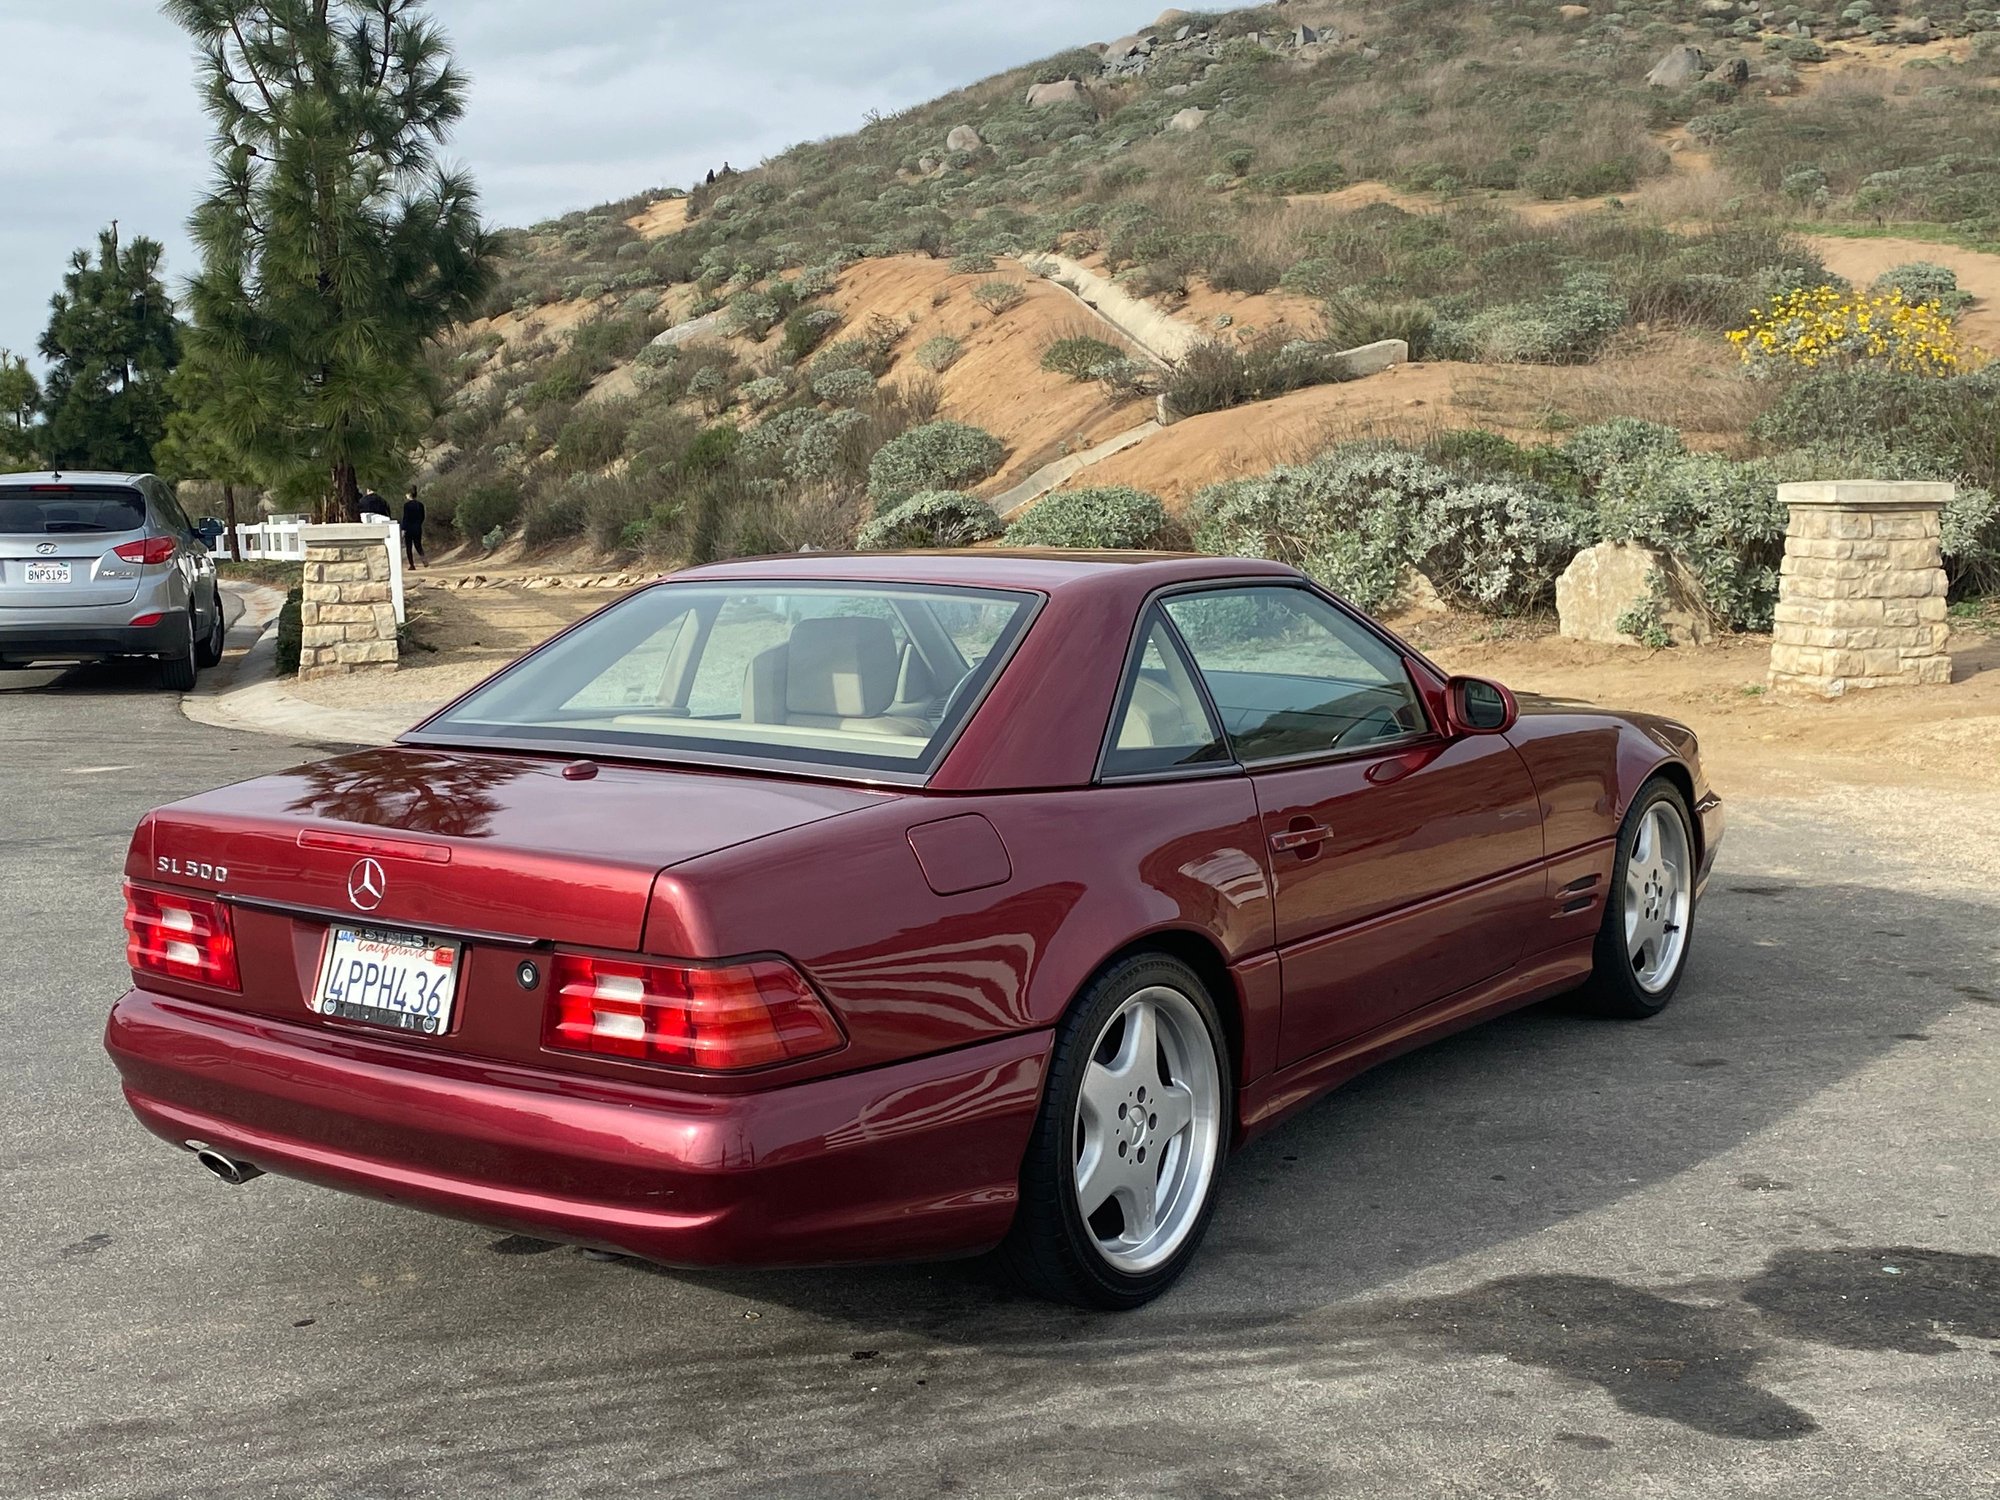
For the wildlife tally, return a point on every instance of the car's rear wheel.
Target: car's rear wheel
(209, 652)
(1642, 948)
(1127, 1154)
(177, 672)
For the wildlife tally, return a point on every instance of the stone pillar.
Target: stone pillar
(1861, 596)
(348, 616)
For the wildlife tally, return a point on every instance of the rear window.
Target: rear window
(69, 512)
(869, 677)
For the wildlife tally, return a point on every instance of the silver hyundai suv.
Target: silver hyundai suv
(102, 565)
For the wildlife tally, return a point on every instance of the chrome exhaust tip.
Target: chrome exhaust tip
(231, 1171)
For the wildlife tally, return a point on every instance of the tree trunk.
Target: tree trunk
(346, 495)
(229, 519)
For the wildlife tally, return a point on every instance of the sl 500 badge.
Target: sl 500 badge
(193, 870)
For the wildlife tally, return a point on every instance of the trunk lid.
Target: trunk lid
(473, 843)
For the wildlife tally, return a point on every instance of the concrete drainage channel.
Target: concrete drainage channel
(1163, 338)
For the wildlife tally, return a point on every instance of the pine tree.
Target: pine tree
(111, 343)
(20, 397)
(196, 446)
(334, 242)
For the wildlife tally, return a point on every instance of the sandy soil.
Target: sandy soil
(668, 216)
(998, 382)
(1673, 377)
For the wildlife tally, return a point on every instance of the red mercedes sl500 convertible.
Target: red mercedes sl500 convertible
(829, 908)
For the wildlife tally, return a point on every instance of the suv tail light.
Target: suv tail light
(182, 937)
(154, 549)
(719, 1019)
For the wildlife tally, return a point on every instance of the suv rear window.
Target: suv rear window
(70, 512)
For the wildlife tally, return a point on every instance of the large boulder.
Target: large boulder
(1735, 73)
(1062, 91)
(1606, 582)
(1573, 13)
(1189, 119)
(1681, 68)
(963, 138)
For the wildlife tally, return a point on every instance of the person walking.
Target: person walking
(413, 532)
(373, 504)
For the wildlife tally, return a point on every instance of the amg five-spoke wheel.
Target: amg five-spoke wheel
(1127, 1152)
(1147, 1130)
(1642, 947)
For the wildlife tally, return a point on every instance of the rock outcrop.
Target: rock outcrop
(1605, 583)
(1681, 68)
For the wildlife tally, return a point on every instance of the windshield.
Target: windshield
(863, 676)
(63, 510)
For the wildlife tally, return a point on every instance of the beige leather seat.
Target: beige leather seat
(1156, 719)
(836, 673)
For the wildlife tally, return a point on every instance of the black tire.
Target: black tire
(209, 652)
(1051, 1249)
(177, 672)
(1615, 987)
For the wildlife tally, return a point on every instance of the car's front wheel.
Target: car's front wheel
(1127, 1153)
(1642, 948)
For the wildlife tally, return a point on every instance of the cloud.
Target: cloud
(573, 103)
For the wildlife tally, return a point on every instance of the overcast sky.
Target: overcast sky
(574, 102)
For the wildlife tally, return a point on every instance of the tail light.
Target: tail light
(173, 936)
(719, 1019)
(154, 549)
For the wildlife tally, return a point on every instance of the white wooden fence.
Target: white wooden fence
(283, 539)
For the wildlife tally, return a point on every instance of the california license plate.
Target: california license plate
(404, 980)
(41, 572)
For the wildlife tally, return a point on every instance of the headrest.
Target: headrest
(843, 668)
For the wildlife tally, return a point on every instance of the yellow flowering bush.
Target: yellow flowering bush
(1823, 327)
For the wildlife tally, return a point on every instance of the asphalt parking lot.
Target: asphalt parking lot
(1749, 1249)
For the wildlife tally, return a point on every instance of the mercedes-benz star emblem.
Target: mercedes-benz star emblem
(367, 885)
(47, 549)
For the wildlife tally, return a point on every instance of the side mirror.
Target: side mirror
(1476, 706)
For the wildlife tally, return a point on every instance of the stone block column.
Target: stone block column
(1861, 596)
(348, 615)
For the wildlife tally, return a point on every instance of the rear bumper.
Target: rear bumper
(919, 1159)
(61, 641)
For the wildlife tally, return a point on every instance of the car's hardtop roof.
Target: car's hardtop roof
(81, 478)
(1051, 571)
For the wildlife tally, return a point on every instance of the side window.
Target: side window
(170, 513)
(1292, 675)
(1160, 721)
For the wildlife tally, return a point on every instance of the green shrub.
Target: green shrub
(940, 353)
(555, 515)
(936, 456)
(762, 391)
(1720, 518)
(1215, 375)
(1361, 517)
(1078, 355)
(1570, 326)
(711, 450)
(1595, 450)
(999, 297)
(1972, 542)
(593, 437)
(485, 506)
(1924, 281)
(970, 264)
(843, 386)
(806, 329)
(1352, 321)
(1940, 427)
(1113, 517)
(935, 518)
(291, 632)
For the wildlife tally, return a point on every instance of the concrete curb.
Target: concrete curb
(246, 694)
(1048, 476)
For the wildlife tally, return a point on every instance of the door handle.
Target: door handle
(1311, 836)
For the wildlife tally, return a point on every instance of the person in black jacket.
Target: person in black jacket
(373, 504)
(413, 531)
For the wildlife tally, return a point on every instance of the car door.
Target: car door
(1407, 864)
(191, 556)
